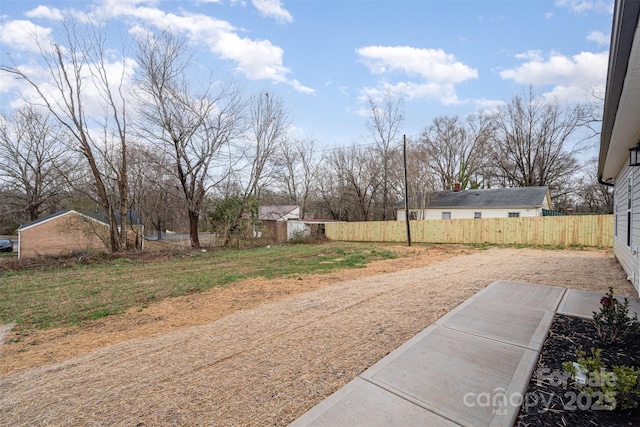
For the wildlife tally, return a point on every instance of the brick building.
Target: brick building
(64, 232)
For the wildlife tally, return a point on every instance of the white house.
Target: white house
(485, 203)
(620, 136)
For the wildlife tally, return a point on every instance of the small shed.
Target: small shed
(274, 218)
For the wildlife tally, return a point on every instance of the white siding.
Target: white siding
(468, 213)
(296, 229)
(294, 214)
(627, 255)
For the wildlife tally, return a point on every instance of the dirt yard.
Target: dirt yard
(261, 352)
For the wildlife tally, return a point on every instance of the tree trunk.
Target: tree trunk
(114, 234)
(193, 229)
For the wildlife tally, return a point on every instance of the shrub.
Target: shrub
(612, 321)
(619, 388)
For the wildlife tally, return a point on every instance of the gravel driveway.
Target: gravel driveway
(268, 364)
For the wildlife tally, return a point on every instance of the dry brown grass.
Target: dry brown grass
(265, 363)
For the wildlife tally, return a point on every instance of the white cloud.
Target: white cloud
(571, 77)
(571, 93)
(45, 12)
(273, 9)
(488, 105)
(444, 93)
(431, 64)
(8, 83)
(120, 72)
(599, 37)
(437, 72)
(532, 55)
(25, 35)
(583, 6)
(256, 59)
(300, 87)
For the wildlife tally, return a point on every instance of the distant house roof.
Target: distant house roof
(275, 212)
(133, 217)
(51, 217)
(100, 216)
(522, 197)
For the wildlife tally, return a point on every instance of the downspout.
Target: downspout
(603, 182)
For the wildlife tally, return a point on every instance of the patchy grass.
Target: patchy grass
(486, 245)
(49, 297)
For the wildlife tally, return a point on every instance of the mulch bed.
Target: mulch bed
(552, 399)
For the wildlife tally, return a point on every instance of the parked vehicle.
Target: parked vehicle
(6, 245)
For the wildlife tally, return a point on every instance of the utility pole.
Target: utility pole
(406, 191)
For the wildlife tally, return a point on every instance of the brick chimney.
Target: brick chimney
(457, 186)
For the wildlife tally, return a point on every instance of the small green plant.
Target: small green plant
(612, 321)
(619, 388)
(384, 253)
(592, 363)
(627, 386)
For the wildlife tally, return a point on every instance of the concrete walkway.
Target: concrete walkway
(470, 368)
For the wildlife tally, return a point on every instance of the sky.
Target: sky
(326, 58)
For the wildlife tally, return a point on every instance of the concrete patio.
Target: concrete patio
(470, 368)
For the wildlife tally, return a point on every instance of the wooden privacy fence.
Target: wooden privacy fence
(584, 230)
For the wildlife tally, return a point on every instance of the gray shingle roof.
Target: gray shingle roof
(525, 197)
(43, 219)
(274, 212)
(132, 217)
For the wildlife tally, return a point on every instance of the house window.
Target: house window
(477, 215)
(514, 214)
(446, 215)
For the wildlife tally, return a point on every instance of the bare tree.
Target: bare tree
(154, 192)
(457, 150)
(267, 128)
(420, 177)
(357, 181)
(594, 197)
(33, 161)
(73, 71)
(332, 193)
(192, 128)
(297, 169)
(384, 126)
(268, 122)
(535, 142)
